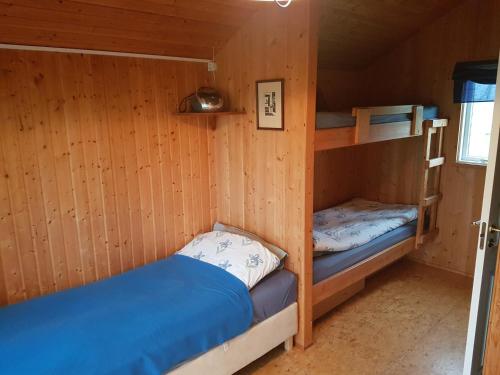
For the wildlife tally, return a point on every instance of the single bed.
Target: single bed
(175, 314)
(275, 309)
(353, 240)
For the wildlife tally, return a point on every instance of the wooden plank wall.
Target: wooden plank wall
(264, 177)
(336, 178)
(419, 71)
(390, 171)
(339, 89)
(97, 176)
(384, 172)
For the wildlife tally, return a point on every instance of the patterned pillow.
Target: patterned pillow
(241, 256)
(280, 253)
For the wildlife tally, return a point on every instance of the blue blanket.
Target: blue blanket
(144, 321)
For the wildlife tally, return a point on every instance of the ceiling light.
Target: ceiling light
(280, 3)
(283, 3)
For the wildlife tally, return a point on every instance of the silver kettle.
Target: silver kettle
(205, 99)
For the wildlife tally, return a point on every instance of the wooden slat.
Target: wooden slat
(438, 123)
(384, 110)
(92, 176)
(429, 201)
(389, 131)
(435, 162)
(364, 132)
(326, 139)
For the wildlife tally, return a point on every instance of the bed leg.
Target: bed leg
(289, 344)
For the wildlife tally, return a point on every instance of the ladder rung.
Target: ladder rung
(437, 123)
(433, 199)
(436, 162)
(426, 237)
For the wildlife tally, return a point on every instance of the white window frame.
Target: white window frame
(463, 134)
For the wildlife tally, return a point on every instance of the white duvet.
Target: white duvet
(357, 222)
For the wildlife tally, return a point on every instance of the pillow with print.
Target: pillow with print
(244, 258)
(280, 253)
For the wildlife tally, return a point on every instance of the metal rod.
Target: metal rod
(23, 47)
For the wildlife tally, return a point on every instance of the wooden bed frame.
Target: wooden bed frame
(246, 348)
(363, 132)
(336, 289)
(339, 287)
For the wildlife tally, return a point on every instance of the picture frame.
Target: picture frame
(270, 104)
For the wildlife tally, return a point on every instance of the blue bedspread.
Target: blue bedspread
(144, 321)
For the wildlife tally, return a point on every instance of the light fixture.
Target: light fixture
(280, 3)
(283, 3)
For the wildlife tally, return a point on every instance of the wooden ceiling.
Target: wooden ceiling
(188, 28)
(353, 33)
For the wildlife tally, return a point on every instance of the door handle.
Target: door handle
(492, 241)
(494, 228)
(491, 228)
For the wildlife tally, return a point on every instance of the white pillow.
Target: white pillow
(280, 253)
(241, 256)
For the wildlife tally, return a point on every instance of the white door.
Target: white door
(487, 250)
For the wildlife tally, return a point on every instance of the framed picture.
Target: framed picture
(271, 104)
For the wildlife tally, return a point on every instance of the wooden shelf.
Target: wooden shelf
(209, 114)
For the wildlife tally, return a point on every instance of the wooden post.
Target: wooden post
(416, 122)
(363, 116)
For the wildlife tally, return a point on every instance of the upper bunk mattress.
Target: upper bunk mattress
(357, 222)
(329, 120)
(144, 321)
(328, 265)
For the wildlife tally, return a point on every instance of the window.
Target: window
(475, 129)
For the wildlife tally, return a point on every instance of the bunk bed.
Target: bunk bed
(370, 124)
(340, 275)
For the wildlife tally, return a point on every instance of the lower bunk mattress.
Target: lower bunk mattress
(145, 321)
(325, 266)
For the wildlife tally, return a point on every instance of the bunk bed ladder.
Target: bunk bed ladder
(430, 194)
